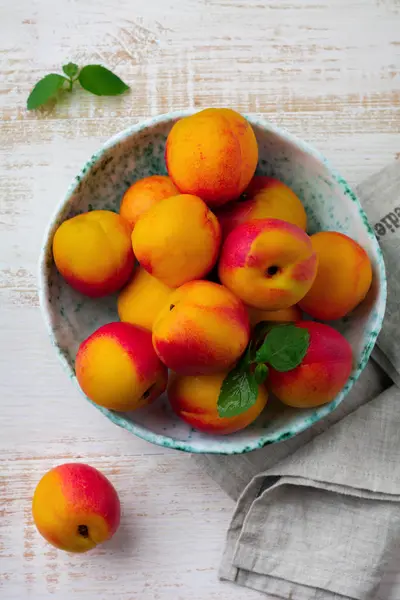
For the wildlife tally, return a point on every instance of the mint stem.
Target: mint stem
(71, 82)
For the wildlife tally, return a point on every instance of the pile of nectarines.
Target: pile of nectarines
(219, 250)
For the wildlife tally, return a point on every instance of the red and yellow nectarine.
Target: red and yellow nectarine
(143, 195)
(118, 368)
(343, 278)
(268, 263)
(203, 329)
(322, 374)
(75, 507)
(265, 198)
(195, 399)
(177, 240)
(93, 252)
(212, 154)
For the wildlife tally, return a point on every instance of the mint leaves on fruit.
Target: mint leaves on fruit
(283, 347)
(239, 391)
(96, 79)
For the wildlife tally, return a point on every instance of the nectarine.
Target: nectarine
(322, 374)
(212, 154)
(93, 252)
(265, 198)
(144, 194)
(203, 329)
(268, 263)
(75, 507)
(142, 299)
(284, 315)
(117, 367)
(177, 240)
(195, 400)
(343, 278)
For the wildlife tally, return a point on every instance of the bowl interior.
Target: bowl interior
(139, 152)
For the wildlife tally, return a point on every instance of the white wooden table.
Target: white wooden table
(328, 70)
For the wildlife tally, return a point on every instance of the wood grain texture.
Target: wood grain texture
(329, 71)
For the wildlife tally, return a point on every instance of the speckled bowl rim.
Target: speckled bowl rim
(163, 440)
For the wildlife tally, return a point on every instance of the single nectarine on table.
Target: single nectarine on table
(212, 154)
(268, 263)
(203, 329)
(343, 278)
(285, 315)
(93, 252)
(143, 195)
(265, 198)
(177, 240)
(117, 367)
(195, 400)
(142, 299)
(322, 374)
(75, 507)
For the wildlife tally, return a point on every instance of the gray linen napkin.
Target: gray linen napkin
(319, 517)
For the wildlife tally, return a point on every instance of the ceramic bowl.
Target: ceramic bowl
(138, 152)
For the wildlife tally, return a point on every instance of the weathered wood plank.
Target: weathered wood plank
(307, 65)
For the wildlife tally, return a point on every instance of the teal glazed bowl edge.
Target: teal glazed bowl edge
(138, 152)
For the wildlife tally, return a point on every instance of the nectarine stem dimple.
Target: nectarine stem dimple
(147, 392)
(83, 531)
(172, 306)
(271, 271)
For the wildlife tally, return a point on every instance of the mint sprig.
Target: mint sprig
(71, 70)
(282, 347)
(95, 79)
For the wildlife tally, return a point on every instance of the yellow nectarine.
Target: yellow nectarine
(212, 154)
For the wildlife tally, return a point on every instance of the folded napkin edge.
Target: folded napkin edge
(340, 488)
(261, 563)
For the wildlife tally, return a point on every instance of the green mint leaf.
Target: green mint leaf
(284, 347)
(45, 89)
(262, 354)
(238, 393)
(100, 81)
(263, 348)
(71, 70)
(261, 373)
